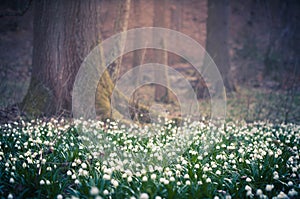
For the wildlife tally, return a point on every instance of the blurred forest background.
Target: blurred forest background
(262, 36)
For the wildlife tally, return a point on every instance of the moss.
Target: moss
(38, 100)
(104, 91)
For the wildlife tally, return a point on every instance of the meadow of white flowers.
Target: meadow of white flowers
(94, 159)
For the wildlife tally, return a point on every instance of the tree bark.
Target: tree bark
(137, 54)
(64, 33)
(121, 25)
(160, 20)
(217, 39)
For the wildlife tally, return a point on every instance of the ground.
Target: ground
(94, 159)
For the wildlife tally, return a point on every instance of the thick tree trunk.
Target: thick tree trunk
(217, 39)
(64, 33)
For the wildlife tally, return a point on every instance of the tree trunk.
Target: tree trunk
(176, 17)
(64, 33)
(160, 16)
(137, 54)
(121, 25)
(217, 39)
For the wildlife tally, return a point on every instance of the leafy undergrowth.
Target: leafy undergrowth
(93, 159)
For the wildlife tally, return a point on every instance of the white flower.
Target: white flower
(85, 172)
(69, 172)
(59, 196)
(143, 171)
(269, 187)
(248, 188)
(259, 192)
(249, 193)
(10, 196)
(94, 191)
(29, 160)
(208, 180)
(42, 182)
(77, 181)
(282, 195)
(124, 175)
(144, 179)
(11, 180)
(48, 182)
(294, 169)
(114, 183)
(128, 172)
(78, 161)
(276, 177)
(188, 182)
(105, 192)
(248, 179)
(216, 197)
(161, 180)
(83, 165)
(292, 193)
(205, 169)
(228, 197)
(108, 171)
(129, 179)
(178, 166)
(158, 197)
(153, 176)
(144, 196)
(106, 177)
(290, 183)
(166, 182)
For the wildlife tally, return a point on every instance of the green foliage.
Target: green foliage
(259, 104)
(49, 159)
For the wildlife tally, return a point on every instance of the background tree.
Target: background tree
(121, 25)
(160, 20)
(137, 54)
(217, 39)
(64, 33)
(176, 15)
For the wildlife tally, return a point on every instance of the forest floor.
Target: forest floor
(95, 159)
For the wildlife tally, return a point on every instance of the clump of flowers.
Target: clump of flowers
(81, 159)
